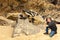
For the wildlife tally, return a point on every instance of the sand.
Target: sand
(6, 33)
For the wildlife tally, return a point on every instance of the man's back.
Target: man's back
(52, 26)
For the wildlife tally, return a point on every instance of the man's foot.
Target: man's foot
(55, 32)
(45, 33)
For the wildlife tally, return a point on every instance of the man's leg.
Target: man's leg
(52, 33)
(46, 30)
(56, 31)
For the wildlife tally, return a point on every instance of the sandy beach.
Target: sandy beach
(6, 33)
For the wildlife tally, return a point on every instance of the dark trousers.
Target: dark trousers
(51, 33)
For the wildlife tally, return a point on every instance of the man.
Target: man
(51, 25)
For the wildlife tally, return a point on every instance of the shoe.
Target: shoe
(45, 33)
(55, 32)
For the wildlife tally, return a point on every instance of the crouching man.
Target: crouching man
(51, 25)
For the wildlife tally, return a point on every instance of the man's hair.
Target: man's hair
(47, 19)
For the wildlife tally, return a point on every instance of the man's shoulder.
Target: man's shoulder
(53, 22)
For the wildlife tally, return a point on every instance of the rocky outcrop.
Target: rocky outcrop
(26, 27)
(6, 22)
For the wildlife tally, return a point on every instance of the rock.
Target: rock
(12, 16)
(53, 1)
(57, 19)
(7, 21)
(3, 23)
(25, 27)
(38, 20)
(58, 2)
(33, 17)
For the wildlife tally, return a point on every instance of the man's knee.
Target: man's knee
(52, 33)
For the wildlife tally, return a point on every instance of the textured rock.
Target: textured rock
(5, 21)
(58, 19)
(24, 26)
(12, 16)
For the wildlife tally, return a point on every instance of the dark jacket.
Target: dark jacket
(52, 26)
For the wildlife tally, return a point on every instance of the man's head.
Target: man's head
(48, 19)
